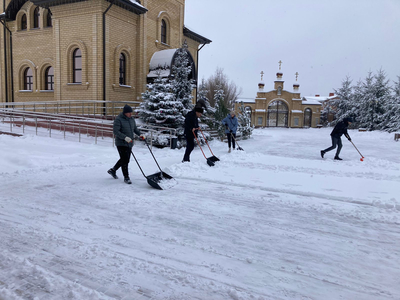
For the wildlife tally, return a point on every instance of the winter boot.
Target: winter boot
(229, 151)
(113, 173)
(322, 153)
(337, 158)
(127, 180)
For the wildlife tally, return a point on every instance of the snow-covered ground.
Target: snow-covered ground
(272, 222)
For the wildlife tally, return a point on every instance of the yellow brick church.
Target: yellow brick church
(279, 107)
(89, 49)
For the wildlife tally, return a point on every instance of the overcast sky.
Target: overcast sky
(323, 40)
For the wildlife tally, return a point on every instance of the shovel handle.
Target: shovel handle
(152, 154)
(356, 148)
(198, 143)
(206, 141)
(138, 164)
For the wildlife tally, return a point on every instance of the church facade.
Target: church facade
(89, 49)
(279, 107)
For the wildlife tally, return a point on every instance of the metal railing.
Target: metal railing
(74, 118)
(87, 108)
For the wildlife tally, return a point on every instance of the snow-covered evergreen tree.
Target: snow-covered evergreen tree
(344, 106)
(208, 116)
(373, 103)
(373, 95)
(244, 122)
(392, 110)
(383, 98)
(182, 86)
(160, 106)
(221, 111)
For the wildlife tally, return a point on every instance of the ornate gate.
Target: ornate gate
(277, 114)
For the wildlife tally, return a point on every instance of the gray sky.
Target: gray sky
(323, 40)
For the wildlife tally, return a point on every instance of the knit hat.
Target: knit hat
(127, 109)
(348, 120)
(199, 109)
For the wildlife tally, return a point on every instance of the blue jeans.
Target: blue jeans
(336, 141)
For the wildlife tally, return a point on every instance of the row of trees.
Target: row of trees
(167, 100)
(373, 103)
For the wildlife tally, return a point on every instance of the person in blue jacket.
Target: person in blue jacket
(231, 125)
(337, 132)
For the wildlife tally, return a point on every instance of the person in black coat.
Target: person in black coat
(191, 128)
(337, 132)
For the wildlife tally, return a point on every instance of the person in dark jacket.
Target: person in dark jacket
(124, 128)
(191, 128)
(231, 125)
(337, 132)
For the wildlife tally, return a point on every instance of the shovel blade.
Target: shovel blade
(213, 158)
(240, 148)
(210, 162)
(155, 179)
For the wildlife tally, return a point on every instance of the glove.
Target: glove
(128, 139)
(349, 139)
(142, 137)
(230, 130)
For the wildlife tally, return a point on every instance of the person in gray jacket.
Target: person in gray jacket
(124, 129)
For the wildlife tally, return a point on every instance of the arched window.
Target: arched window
(28, 79)
(36, 18)
(49, 79)
(23, 22)
(77, 66)
(122, 69)
(163, 32)
(307, 117)
(48, 19)
(277, 114)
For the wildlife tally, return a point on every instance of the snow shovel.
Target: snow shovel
(210, 160)
(239, 148)
(362, 157)
(154, 179)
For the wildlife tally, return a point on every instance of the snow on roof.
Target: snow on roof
(161, 63)
(136, 3)
(162, 59)
(310, 102)
(320, 98)
(246, 100)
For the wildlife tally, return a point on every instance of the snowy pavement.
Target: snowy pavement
(272, 222)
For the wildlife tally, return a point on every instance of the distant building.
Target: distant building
(282, 108)
(89, 49)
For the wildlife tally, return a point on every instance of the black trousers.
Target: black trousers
(124, 157)
(189, 148)
(336, 141)
(231, 140)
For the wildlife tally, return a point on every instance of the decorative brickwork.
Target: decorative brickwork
(131, 30)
